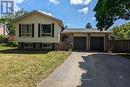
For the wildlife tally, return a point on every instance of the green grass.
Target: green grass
(26, 69)
(3, 47)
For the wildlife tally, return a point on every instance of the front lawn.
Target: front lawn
(26, 69)
(4, 47)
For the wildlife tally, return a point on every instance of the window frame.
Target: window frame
(27, 34)
(45, 34)
(48, 47)
(30, 45)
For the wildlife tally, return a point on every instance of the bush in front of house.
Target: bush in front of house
(7, 42)
(12, 44)
(3, 39)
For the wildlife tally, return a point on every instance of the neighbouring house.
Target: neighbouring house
(4, 30)
(4, 33)
(36, 30)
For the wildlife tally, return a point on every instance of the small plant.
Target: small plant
(12, 44)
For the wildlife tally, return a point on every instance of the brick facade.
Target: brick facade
(65, 43)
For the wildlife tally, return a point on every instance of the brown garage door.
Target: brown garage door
(97, 43)
(80, 43)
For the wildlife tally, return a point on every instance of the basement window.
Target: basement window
(28, 45)
(46, 46)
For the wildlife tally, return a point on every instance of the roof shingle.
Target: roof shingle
(82, 30)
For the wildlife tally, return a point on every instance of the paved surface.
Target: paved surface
(84, 69)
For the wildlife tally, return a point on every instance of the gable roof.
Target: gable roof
(41, 13)
(83, 30)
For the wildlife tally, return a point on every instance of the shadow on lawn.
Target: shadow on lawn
(102, 70)
(19, 51)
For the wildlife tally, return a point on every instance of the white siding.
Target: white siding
(36, 18)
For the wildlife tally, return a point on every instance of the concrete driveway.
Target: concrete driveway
(84, 69)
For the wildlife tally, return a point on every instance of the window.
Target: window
(46, 46)
(28, 45)
(46, 30)
(26, 30)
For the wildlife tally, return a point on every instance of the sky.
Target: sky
(73, 13)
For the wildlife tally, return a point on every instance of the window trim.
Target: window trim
(27, 34)
(48, 47)
(30, 45)
(48, 34)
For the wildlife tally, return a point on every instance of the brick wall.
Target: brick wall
(65, 45)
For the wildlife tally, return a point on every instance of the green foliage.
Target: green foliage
(8, 20)
(88, 25)
(108, 11)
(19, 13)
(9, 24)
(3, 38)
(122, 32)
(12, 44)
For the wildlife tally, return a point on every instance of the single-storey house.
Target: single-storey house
(36, 30)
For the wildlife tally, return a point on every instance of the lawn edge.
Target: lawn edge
(55, 68)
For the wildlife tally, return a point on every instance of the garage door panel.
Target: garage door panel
(80, 43)
(96, 43)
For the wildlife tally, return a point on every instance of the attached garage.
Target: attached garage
(82, 39)
(80, 43)
(96, 43)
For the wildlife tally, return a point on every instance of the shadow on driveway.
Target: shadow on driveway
(105, 70)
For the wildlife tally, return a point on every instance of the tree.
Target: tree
(122, 32)
(19, 13)
(108, 11)
(8, 22)
(88, 25)
(8, 19)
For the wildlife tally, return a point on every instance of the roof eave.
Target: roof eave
(35, 11)
(86, 32)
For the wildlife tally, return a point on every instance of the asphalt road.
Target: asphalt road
(84, 69)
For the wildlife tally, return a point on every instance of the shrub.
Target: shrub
(3, 38)
(12, 44)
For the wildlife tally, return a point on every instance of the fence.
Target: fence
(119, 45)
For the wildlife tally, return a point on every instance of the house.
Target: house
(4, 30)
(85, 39)
(36, 30)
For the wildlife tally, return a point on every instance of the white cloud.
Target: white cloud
(47, 13)
(80, 2)
(93, 18)
(54, 1)
(84, 10)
